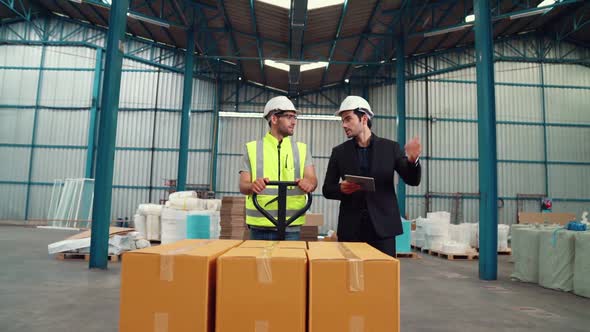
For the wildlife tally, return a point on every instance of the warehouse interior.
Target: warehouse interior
(146, 97)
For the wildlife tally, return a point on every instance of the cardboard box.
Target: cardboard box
(261, 290)
(171, 287)
(545, 218)
(352, 287)
(314, 219)
(277, 244)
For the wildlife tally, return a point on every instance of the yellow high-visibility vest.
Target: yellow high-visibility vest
(286, 163)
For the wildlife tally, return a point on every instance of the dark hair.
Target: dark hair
(360, 116)
(276, 112)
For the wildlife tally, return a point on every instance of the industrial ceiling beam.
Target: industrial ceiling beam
(358, 45)
(232, 40)
(258, 41)
(298, 20)
(336, 36)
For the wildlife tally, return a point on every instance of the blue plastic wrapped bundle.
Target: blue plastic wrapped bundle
(403, 241)
(198, 226)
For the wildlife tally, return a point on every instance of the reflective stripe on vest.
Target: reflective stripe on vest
(264, 163)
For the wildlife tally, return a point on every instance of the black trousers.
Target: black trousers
(366, 233)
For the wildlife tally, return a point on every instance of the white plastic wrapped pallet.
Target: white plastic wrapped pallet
(173, 225)
(139, 223)
(153, 227)
(503, 231)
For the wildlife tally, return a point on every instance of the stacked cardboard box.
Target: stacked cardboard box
(310, 231)
(171, 287)
(233, 218)
(262, 288)
(352, 287)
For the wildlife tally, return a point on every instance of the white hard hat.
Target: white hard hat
(352, 103)
(280, 103)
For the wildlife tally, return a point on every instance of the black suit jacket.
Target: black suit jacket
(386, 158)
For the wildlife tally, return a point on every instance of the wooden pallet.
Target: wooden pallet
(411, 255)
(452, 257)
(86, 257)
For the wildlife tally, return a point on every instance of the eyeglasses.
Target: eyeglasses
(289, 117)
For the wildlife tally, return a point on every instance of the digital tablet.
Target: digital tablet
(366, 183)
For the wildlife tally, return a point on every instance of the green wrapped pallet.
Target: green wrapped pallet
(556, 259)
(525, 250)
(582, 264)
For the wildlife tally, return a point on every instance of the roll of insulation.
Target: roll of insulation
(153, 227)
(150, 209)
(182, 194)
(188, 204)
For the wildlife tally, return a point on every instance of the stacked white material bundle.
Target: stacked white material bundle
(149, 209)
(437, 233)
(173, 225)
(152, 213)
(443, 216)
(188, 203)
(182, 194)
(473, 235)
(461, 234)
(139, 223)
(420, 233)
(503, 231)
(455, 248)
(413, 238)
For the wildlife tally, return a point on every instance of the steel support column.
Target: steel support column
(187, 92)
(400, 85)
(89, 173)
(103, 188)
(486, 111)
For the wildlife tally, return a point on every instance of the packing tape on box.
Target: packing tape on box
(261, 326)
(167, 260)
(356, 324)
(263, 263)
(356, 274)
(161, 322)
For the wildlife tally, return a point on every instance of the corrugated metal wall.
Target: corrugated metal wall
(442, 110)
(534, 103)
(148, 123)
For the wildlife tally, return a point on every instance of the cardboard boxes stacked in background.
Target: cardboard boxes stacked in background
(310, 231)
(259, 286)
(233, 218)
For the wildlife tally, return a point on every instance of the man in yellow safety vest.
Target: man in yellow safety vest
(276, 158)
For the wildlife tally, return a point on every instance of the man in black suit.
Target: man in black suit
(371, 217)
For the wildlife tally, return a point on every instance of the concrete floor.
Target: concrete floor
(40, 293)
